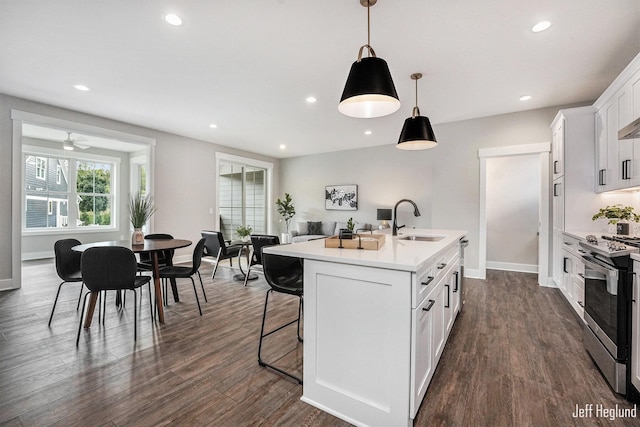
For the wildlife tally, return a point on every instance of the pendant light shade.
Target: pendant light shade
(417, 133)
(369, 91)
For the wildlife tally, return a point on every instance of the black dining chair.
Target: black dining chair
(216, 247)
(111, 268)
(258, 241)
(67, 267)
(285, 275)
(164, 257)
(182, 272)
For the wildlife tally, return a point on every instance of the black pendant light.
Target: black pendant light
(417, 133)
(369, 91)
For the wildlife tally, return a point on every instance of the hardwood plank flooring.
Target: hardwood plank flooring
(515, 358)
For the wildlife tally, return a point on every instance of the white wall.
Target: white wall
(513, 190)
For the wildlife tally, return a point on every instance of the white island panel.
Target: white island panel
(356, 341)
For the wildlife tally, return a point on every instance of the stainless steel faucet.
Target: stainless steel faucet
(416, 212)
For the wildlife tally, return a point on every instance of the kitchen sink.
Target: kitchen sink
(420, 238)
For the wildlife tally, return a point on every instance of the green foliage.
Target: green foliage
(96, 181)
(617, 213)
(350, 224)
(244, 231)
(286, 209)
(140, 209)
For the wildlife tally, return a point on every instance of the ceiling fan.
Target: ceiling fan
(70, 144)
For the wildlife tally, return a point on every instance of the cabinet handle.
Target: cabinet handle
(429, 280)
(581, 304)
(564, 264)
(555, 189)
(448, 297)
(455, 273)
(602, 177)
(431, 302)
(625, 169)
(442, 265)
(555, 166)
(581, 275)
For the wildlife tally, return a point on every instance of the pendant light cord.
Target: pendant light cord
(369, 25)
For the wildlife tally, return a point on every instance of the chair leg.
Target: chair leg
(153, 316)
(80, 295)
(135, 315)
(196, 293)
(299, 315)
(202, 286)
(84, 304)
(246, 276)
(55, 301)
(263, 335)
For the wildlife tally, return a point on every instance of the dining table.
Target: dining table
(150, 246)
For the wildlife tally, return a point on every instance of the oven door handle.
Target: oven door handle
(593, 264)
(610, 274)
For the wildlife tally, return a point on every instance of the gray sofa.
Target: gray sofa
(311, 230)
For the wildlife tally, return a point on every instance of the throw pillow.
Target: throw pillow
(302, 228)
(314, 228)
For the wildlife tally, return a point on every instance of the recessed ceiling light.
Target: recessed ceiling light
(367, 132)
(282, 146)
(81, 87)
(541, 26)
(525, 97)
(213, 126)
(311, 99)
(173, 19)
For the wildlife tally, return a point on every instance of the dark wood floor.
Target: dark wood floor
(515, 358)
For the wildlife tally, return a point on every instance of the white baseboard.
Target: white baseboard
(7, 284)
(37, 255)
(473, 274)
(508, 266)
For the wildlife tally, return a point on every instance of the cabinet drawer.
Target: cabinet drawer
(445, 260)
(422, 283)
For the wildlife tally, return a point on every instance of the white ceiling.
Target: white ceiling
(248, 66)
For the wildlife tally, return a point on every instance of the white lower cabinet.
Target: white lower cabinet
(573, 274)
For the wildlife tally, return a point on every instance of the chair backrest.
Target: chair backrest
(109, 268)
(283, 273)
(197, 255)
(67, 260)
(258, 241)
(163, 256)
(214, 241)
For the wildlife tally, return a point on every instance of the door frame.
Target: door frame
(543, 150)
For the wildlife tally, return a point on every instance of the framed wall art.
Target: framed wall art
(341, 197)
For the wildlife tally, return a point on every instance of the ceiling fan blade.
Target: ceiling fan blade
(80, 146)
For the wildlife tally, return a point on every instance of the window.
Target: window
(242, 198)
(41, 168)
(88, 184)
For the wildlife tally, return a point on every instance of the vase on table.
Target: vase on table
(137, 238)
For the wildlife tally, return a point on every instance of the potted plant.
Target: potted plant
(287, 211)
(141, 208)
(616, 214)
(244, 232)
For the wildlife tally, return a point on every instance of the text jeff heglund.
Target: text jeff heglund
(599, 411)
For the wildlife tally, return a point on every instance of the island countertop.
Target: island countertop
(396, 253)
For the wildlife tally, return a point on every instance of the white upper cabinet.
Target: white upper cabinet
(618, 161)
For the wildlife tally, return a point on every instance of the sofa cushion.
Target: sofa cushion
(302, 228)
(328, 228)
(314, 227)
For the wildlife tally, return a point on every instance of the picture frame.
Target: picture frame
(341, 197)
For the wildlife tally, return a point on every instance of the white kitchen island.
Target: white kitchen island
(376, 322)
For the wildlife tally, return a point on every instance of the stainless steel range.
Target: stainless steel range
(607, 311)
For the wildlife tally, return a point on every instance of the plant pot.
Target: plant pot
(285, 238)
(245, 238)
(137, 238)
